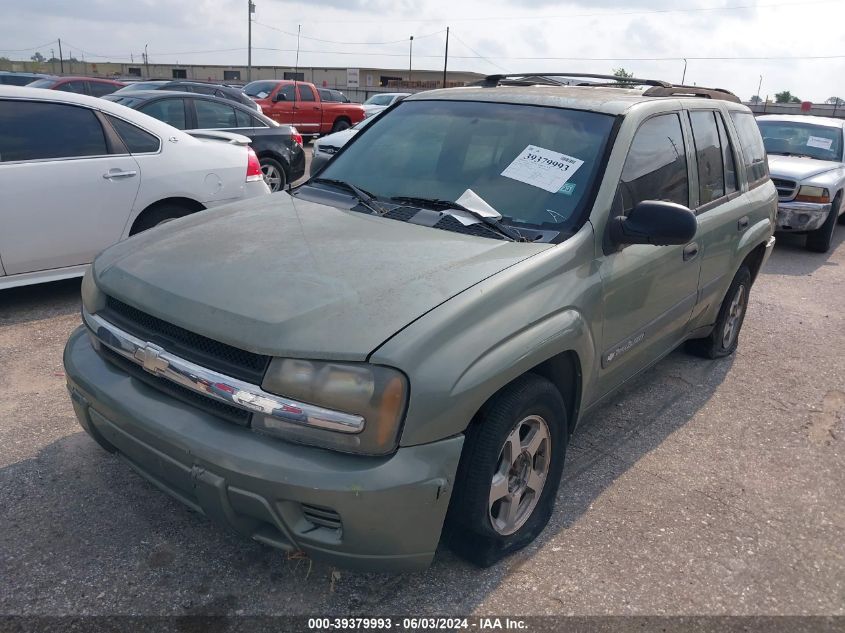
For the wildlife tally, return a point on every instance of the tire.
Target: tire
(340, 125)
(480, 526)
(158, 215)
(819, 240)
(274, 174)
(724, 338)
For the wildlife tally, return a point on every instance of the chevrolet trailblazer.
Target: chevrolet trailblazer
(404, 345)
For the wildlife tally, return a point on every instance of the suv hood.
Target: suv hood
(287, 277)
(797, 168)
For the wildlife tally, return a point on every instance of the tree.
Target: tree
(755, 99)
(835, 101)
(38, 57)
(622, 74)
(786, 97)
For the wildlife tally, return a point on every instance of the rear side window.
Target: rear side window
(72, 86)
(326, 95)
(136, 140)
(753, 151)
(211, 115)
(306, 94)
(37, 131)
(731, 182)
(100, 89)
(243, 119)
(708, 153)
(204, 90)
(656, 167)
(171, 111)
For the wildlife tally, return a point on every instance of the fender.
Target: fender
(465, 350)
(758, 233)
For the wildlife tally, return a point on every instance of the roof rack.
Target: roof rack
(491, 81)
(657, 88)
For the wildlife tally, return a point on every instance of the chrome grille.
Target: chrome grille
(786, 188)
(199, 349)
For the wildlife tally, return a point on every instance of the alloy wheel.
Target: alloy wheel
(520, 475)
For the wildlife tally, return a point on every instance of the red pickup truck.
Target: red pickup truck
(298, 103)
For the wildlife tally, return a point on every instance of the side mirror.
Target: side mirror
(654, 222)
(280, 96)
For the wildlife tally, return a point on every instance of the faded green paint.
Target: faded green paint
(460, 316)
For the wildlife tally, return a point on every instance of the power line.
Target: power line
(480, 56)
(24, 50)
(605, 14)
(317, 39)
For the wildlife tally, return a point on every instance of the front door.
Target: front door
(649, 291)
(64, 197)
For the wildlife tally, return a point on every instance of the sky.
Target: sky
(647, 37)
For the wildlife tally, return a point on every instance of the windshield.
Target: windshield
(259, 89)
(42, 83)
(534, 165)
(802, 139)
(379, 100)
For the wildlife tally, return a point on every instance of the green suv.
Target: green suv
(402, 347)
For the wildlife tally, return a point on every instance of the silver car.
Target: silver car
(807, 165)
(330, 145)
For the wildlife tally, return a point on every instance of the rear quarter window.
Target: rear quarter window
(751, 143)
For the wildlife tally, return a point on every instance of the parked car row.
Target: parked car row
(80, 173)
(416, 331)
(279, 147)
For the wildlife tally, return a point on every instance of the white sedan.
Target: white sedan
(78, 174)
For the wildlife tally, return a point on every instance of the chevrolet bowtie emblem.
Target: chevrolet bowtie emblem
(150, 358)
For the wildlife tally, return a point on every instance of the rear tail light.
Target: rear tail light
(253, 167)
(295, 135)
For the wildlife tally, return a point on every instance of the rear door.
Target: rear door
(649, 291)
(722, 213)
(307, 116)
(67, 188)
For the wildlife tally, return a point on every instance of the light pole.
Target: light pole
(759, 85)
(146, 61)
(684, 77)
(410, 59)
(250, 11)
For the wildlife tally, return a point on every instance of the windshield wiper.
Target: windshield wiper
(366, 199)
(437, 203)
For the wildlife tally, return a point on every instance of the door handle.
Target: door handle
(117, 174)
(690, 251)
(742, 224)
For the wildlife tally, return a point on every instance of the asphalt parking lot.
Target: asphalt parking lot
(703, 488)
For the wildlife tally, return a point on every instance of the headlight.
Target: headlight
(813, 194)
(375, 393)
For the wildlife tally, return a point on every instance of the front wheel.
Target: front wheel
(340, 125)
(724, 338)
(274, 174)
(509, 473)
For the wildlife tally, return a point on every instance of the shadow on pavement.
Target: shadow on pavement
(791, 258)
(39, 301)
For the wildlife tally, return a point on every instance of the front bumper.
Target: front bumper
(801, 216)
(373, 513)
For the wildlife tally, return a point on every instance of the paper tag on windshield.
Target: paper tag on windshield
(821, 143)
(542, 168)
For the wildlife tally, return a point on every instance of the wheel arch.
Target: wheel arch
(186, 203)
